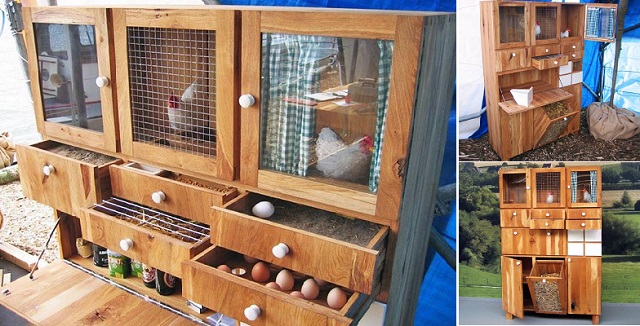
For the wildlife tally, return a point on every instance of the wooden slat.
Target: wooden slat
(540, 98)
(490, 37)
(104, 46)
(77, 16)
(172, 18)
(584, 275)
(518, 241)
(512, 292)
(170, 157)
(75, 135)
(32, 56)
(120, 49)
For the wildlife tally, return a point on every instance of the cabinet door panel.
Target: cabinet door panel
(584, 276)
(512, 295)
(533, 242)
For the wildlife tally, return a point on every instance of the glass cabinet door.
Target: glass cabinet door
(318, 104)
(546, 23)
(515, 188)
(584, 186)
(512, 25)
(73, 95)
(548, 187)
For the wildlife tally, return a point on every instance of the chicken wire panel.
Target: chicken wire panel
(546, 23)
(514, 188)
(548, 187)
(511, 24)
(172, 86)
(601, 22)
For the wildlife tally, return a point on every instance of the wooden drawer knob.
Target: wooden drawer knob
(515, 232)
(546, 224)
(514, 213)
(102, 81)
(158, 197)
(584, 214)
(48, 170)
(547, 214)
(583, 224)
(546, 50)
(513, 54)
(555, 62)
(246, 101)
(280, 250)
(126, 244)
(549, 233)
(573, 55)
(569, 259)
(527, 187)
(252, 312)
(573, 46)
(517, 263)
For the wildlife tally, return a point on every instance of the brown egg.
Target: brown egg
(250, 259)
(285, 280)
(260, 272)
(273, 285)
(310, 289)
(336, 298)
(225, 268)
(297, 294)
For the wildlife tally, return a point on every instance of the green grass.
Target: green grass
(632, 216)
(620, 280)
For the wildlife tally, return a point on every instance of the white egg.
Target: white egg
(263, 209)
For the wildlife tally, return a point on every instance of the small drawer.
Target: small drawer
(576, 55)
(546, 50)
(584, 213)
(545, 224)
(64, 177)
(234, 293)
(520, 241)
(168, 191)
(569, 47)
(584, 224)
(514, 218)
(349, 253)
(549, 61)
(512, 59)
(155, 238)
(547, 213)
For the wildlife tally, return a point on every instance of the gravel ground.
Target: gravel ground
(26, 223)
(576, 147)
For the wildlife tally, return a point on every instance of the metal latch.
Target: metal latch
(14, 11)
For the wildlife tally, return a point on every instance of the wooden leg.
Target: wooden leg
(595, 319)
(509, 316)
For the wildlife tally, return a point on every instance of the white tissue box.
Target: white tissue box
(523, 96)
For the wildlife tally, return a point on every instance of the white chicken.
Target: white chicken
(340, 161)
(565, 33)
(586, 196)
(550, 198)
(538, 29)
(192, 91)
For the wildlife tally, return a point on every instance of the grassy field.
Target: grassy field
(620, 281)
(609, 196)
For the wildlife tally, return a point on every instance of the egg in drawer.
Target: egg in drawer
(156, 238)
(168, 191)
(48, 168)
(344, 251)
(239, 296)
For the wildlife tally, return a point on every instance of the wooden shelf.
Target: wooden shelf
(175, 301)
(543, 94)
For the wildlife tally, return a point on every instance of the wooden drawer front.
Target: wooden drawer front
(584, 224)
(345, 264)
(546, 224)
(519, 241)
(575, 55)
(572, 47)
(73, 185)
(149, 246)
(546, 50)
(234, 293)
(584, 213)
(512, 59)
(547, 213)
(545, 62)
(514, 218)
(180, 198)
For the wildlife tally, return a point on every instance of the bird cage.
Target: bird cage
(600, 22)
(176, 102)
(584, 187)
(512, 23)
(546, 23)
(514, 188)
(548, 190)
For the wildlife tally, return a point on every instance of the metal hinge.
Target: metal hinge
(14, 11)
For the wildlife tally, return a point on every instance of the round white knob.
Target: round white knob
(247, 100)
(252, 312)
(564, 119)
(549, 233)
(515, 232)
(584, 214)
(158, 197)
(573, 55)
(547, 214)
(517, 263)
(555, 62)
(544, 280)
(573, 47)
(48, 170)
(513, 54)
(126, 244)
(514, 214)
(280, 250)
(569, 187)
(583, 224)
(102, 81)
(569, 259)
(546, 50)
(528, 187)
(546, 224)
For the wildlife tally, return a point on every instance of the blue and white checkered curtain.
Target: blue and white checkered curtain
(384, 80)
(594, 186)
(574, 187)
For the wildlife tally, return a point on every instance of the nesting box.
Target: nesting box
(547, 284)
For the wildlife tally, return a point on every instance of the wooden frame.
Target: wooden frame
(535, 202)
(495, 7)
(107, 140)
(534, 6)
(406, 32)
(598, 170)
(223, 22)
(602, 5)
(503, 198)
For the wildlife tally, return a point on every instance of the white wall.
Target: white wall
(469, 79)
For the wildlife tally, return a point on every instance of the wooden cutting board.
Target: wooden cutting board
(61, 294)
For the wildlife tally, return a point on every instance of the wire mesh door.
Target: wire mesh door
(546, 23)
(548, 188)
(512, 24)
(600, 23)
(172, 87)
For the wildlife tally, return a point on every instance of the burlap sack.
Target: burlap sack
(610, 123)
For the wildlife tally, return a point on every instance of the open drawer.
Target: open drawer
(548, 286)
(168, 191)
(64, 177)
(549, 61)
(155, 238)
(347, 252)
(235, 292)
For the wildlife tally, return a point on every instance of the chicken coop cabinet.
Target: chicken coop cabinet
(551, 249)
(72, 75)
(534, 50)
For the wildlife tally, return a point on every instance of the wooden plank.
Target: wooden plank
(120, 50)
(428, 137)
(584, 275)
(76, 16)
(173, 18)
(518, 241)
(34, 75)
(107, 93)
(174, 158)
(512, 292)
(539, 99)
(19, 257)
(490, 37)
